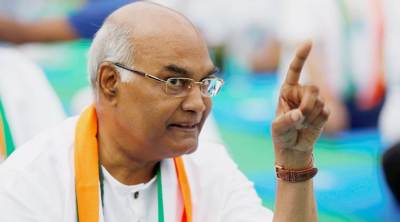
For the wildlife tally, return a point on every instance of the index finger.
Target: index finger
(293, 75)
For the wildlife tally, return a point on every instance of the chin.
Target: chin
(183, 149)
(191, 150)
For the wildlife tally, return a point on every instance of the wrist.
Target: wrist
(294, 159)
(294, 172)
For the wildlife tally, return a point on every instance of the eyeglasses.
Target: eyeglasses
(180, 86)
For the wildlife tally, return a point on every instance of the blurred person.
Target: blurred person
(135, 154)
(347, 60)
(245, 31)
(82, 23)
(28, 104)
(389, 123)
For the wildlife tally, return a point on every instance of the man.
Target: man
(131, 156)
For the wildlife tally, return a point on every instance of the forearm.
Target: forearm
(40, 31)
(295, 202)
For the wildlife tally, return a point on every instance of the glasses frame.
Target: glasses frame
(192, 81)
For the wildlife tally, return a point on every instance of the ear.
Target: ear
(107, 81)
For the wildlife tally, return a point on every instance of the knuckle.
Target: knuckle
(275, 125)
(325, 114)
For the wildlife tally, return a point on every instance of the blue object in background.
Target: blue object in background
(88, 19)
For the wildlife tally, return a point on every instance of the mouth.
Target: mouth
(189, 127)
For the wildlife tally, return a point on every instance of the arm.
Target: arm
(40, 31)
(82, 23)
(300, 117)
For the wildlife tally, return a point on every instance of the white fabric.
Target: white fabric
(321, 21)
(38, 184)
(120, 202)
(30, 103)
(389, 121)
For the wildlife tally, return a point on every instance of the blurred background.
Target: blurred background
(355, 61)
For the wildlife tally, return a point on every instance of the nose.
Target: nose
(194, 101)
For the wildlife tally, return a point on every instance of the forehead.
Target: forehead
(184, 49)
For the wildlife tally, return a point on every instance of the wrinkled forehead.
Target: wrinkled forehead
(182, 47)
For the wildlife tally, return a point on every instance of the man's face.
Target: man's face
(164, 125)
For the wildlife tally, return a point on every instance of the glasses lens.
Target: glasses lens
(176, 86)
(210, 87)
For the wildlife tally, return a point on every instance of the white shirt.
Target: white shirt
(135, 203)
(38, 185)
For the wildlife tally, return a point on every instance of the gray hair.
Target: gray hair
(112, 42)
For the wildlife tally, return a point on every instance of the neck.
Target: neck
(128, 171)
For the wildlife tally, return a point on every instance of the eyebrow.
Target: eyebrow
(176, 69)
(182, 71)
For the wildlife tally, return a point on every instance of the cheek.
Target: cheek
(150, 118)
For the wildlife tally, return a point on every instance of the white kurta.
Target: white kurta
(37, 183)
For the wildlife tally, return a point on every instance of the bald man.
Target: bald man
(134, 155)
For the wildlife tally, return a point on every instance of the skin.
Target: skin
(300, 117)
(135, 117)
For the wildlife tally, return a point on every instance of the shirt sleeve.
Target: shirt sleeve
(88, 19)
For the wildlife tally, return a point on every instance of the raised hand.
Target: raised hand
(300, 116)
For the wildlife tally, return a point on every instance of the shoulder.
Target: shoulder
(46, 143)
(38, 176)
(48, 152)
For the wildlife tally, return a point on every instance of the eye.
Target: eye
(176, 82)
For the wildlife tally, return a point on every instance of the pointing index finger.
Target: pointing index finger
(293, 75)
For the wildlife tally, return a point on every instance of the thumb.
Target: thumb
(289, 120)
